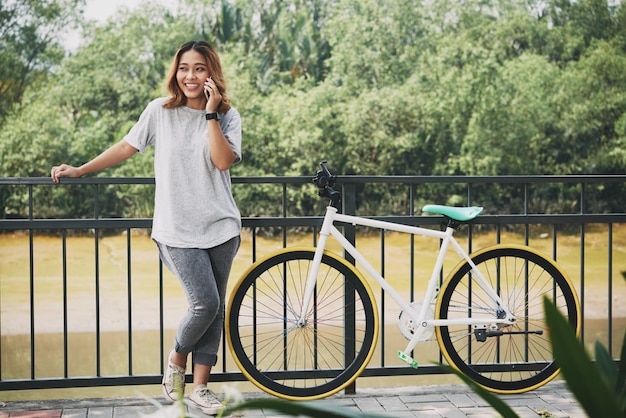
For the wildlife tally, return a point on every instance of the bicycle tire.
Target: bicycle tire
(509, 363)
(309, 362)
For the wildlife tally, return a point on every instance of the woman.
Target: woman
(196, 224)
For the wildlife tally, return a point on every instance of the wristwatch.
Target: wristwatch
(213, 115)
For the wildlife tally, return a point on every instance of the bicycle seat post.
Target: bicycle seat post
(451, 223)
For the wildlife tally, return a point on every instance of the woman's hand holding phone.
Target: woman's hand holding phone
(212, 95)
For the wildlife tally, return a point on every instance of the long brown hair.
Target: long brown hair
(177, 97)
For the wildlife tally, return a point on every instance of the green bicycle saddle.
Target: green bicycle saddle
(457, 213)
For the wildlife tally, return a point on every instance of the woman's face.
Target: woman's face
(191, 74)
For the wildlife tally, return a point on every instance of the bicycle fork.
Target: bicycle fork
(317, 261)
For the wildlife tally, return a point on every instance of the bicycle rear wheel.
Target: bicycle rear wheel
(514, 358)
(305, 362)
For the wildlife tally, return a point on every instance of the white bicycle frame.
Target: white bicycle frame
(446, 237)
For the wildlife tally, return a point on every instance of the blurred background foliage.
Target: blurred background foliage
(376, 87)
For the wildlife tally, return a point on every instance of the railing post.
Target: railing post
(349, 208)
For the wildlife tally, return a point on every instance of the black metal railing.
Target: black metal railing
(524, 221)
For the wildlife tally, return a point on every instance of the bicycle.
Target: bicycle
(287, 315)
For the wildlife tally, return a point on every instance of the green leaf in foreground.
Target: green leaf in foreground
(583, 378)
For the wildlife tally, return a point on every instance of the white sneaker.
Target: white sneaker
(173, 379)
(203, 398)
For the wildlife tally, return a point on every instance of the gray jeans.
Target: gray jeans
(203, 274)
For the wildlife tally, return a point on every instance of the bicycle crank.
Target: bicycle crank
(408, 327)
(482, 334)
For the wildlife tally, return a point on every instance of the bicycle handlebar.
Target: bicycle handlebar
(325, 181)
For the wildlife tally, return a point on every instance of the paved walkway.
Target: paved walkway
(551, 400)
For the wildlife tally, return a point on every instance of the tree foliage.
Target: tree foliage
(29, 45)
(377, 87)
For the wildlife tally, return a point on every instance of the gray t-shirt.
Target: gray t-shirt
(193, 203)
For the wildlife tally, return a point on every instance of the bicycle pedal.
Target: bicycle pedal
(407, 359)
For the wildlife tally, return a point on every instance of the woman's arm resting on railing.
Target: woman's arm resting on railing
(114, 155)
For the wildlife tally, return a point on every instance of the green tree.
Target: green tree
(375, 43)
(90, 103)
(281, 40)
(479, 87)
(29, 44)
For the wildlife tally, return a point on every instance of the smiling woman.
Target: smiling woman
(196, 223)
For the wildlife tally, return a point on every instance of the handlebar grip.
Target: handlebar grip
(325, 181)
(325, 169)
(331, 177)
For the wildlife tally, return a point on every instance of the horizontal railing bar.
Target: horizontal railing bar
(403, 371)
(513, 219)
(484, 179)
(588, 178)
(73, 382)
(82, 180)
(114, 223)
(102, 223)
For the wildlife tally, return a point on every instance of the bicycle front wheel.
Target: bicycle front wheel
(294, 360)
(517, 357)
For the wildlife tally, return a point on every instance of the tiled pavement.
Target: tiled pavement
(551, 400)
